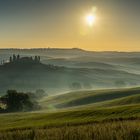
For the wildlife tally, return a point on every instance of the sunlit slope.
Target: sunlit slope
(68, 117)
(133, 99)
(79, 98)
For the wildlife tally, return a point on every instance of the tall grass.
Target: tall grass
(121, 130)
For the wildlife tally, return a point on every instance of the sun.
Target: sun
(90, 19)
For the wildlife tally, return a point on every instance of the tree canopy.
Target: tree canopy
(18, 101)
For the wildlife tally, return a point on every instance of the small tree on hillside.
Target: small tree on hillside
(10, 59)
(40, 93)
(76, 86)
(14, 57)
(18, 57)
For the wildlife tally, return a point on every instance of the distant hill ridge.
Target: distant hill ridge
(66, 52)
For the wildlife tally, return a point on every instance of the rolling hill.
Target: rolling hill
(56, 79)
(121, 110)
(24, 121)
(128, 100)
(108, 98)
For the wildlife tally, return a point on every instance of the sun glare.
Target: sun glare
(90, 19)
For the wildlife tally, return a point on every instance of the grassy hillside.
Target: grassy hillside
(90, 97)
(79, 115)
(118, 109)
(128, 130)
(71, 117)
(133, 99)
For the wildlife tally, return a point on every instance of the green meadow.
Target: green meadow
(114, 116)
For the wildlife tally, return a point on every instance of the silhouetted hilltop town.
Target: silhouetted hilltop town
(19, 59)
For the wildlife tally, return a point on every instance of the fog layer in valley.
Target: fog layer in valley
(64, 70)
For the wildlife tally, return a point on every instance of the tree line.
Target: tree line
(18, 58)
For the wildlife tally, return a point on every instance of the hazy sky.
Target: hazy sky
(61, 23)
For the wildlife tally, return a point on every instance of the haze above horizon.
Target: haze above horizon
(105, 25)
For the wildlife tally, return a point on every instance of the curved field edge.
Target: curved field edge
(79, 98)
(129, 100)
(71, 117)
